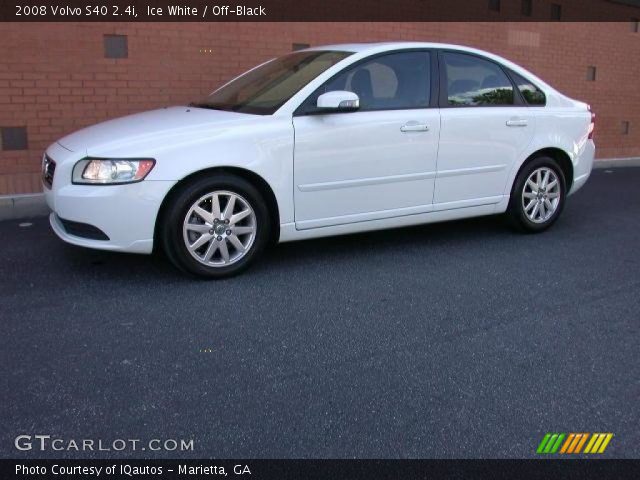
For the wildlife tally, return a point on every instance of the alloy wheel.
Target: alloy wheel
(541, 195)
(219, 228)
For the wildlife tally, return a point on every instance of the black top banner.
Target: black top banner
(322, 469)
(320, 10)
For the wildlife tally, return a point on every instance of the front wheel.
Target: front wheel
(216, 226)
(538, 195)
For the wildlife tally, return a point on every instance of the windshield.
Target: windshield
(265, 89)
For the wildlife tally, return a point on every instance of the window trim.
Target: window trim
(303, 110)
(518, 100)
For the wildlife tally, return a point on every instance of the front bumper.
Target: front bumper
(125, 213)
(135, 246)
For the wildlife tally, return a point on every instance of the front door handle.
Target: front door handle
(517, 122)
(414, 127)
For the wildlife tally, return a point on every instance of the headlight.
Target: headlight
(111, 171)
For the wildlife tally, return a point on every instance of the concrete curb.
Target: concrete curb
(617, 162)
(13, 207)
(23, 206)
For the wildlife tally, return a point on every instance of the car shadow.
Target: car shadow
(288, 255)
(381, 242)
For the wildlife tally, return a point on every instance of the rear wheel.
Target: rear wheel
(538, 195)
(216, 226)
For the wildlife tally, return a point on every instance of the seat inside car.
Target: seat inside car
(492, 81)
(412, 90)
(361, 85)
(458, 87)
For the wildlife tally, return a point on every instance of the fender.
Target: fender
(261, 145)
(556, 128)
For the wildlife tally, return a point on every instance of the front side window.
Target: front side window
(265, 89)
(390, 82)
(531, 94)
(474, 82)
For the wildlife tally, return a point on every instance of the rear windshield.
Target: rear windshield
(265, 89)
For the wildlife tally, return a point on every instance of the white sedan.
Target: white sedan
(325, 141)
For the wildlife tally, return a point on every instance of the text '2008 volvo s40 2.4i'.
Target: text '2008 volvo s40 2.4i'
(324, 141)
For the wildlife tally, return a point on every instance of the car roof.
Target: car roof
(366, 49)
(384, 46)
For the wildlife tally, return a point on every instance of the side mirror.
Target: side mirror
(339, 101)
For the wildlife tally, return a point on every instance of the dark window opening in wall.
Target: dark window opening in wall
(299, 46)
(14, 138)
(116, 46)
(635, 25)
(556, 11)
(494, 5)
(527, 8)
(591, 74)
(626, 126)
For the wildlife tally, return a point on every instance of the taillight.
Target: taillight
(592, 125)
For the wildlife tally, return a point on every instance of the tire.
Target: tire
(204, 240)
(548, 200)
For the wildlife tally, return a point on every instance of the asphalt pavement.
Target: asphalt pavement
(456, 340)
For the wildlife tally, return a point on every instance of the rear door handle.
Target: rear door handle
(414, 127)
(517, 122)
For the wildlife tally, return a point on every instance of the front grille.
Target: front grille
(48, 170)
(83, 230)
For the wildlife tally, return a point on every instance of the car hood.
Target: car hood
(144, 132)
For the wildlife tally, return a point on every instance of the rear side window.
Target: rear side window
(531, 94)
(474, 82)
(390, 82)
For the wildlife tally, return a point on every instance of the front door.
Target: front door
(375, 163)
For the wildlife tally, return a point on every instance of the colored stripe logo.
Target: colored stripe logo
(567, 443)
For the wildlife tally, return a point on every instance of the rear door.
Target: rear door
(485, 129)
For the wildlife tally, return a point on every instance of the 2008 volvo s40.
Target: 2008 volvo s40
(325, 141)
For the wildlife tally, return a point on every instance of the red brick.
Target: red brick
(71, 85)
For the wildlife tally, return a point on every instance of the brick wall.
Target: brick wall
(54, 77)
